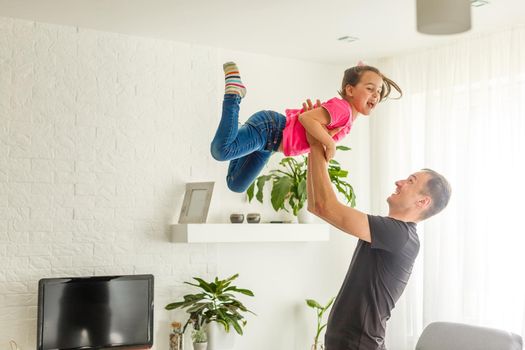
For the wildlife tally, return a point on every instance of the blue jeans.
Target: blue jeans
(249, 147)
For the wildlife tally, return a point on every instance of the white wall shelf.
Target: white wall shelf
(224, 233)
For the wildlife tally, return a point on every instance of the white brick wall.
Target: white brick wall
(90, 158)
(98, 134)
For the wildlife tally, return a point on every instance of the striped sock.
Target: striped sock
(233, 80)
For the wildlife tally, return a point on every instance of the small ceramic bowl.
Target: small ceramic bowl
(253, 218)
(236, 218)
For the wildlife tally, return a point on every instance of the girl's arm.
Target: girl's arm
(314, 121)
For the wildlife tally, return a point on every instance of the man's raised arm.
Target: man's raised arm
(323, 202)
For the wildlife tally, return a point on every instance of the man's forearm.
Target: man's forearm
(325, 203)
(310, 190)
(318, 179)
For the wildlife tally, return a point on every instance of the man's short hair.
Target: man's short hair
(438, 188)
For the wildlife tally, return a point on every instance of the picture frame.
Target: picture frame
(196, 202)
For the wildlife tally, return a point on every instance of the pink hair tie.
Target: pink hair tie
(360, 63)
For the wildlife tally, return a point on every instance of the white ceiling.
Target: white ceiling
(306, 29)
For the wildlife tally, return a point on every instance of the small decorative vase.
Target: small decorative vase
(176, 336)
(236, 218)
(253, 218)
(200, 346)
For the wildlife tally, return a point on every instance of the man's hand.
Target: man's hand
(329, 149)
(308, 106)
(329, 152)
(311, 140)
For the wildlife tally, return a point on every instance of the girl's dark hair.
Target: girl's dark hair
(353, 75)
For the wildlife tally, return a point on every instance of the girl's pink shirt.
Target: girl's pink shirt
(294, 134)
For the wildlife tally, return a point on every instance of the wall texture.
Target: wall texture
(99, 133)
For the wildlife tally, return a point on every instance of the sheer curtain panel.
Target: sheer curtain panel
(463, 115)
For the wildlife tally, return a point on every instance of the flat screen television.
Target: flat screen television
(95, 312)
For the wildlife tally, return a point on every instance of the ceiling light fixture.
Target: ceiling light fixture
(479, 3)
(348, 39)
(442, 17)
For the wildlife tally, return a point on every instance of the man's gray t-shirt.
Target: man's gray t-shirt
(375, 280)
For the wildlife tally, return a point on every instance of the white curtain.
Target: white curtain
(463, 115)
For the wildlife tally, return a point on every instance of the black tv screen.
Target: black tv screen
(95, 312)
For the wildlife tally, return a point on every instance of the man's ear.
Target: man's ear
(424, 202)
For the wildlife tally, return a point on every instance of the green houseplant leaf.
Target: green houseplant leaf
(319, 310)
(313, 304)
(280, 190)
(289, 184)
(215, 303)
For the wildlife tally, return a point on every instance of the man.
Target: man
(384, 256)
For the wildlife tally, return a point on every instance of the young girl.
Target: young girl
(249, 147)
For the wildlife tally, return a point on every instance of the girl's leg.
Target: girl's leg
(230, 141)
(226, 144)
(232, 79)
(243, 171)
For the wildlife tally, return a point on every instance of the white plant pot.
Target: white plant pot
(304, 216)
(218, 339)
(200, 346)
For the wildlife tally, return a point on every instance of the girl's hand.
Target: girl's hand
(332, 132)
(329, 151)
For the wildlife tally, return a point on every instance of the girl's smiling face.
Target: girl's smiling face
(366, 94)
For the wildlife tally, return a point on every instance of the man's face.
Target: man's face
(409, 192)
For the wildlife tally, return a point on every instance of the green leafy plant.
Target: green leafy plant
(289, 183)
(199, 336)
(214, 303)
(320, 310)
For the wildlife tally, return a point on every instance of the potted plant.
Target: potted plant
(200, 339)
(289, 183)
(320, 310)
(215, 303)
